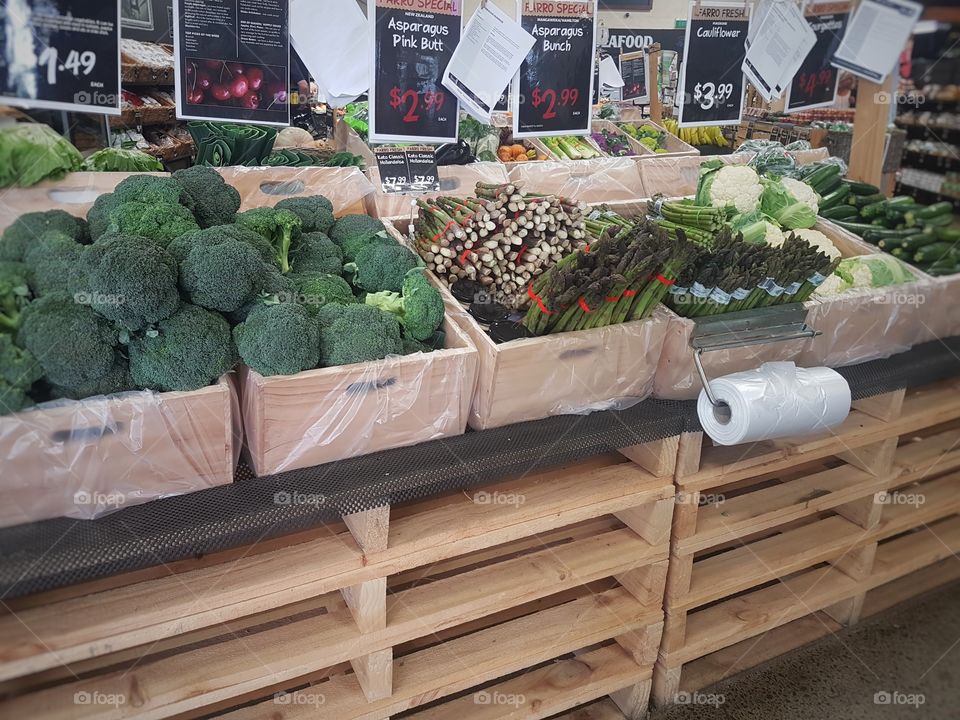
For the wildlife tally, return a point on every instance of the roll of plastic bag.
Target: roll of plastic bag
(774, 401)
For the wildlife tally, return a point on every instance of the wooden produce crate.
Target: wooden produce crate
(327, 414)
(346, 188)
(85, 458)
(771, 538)
(455, 180)
(402, 607)
(506, 138)
(675, 147)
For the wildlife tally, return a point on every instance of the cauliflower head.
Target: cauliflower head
(773, 235)
(802, 192)
(735, 186)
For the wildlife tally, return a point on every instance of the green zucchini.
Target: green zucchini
(861, 188)
(829, 185)
(935, 210)
(854, 227)
(939, 272)
(840, 212)
(875, 234)
(947, 234)
(933, 252)
(820, 178)
(835, 198)
(862, 201)
(900, 253)
(937, 221)
(873, 210)
(913, 243)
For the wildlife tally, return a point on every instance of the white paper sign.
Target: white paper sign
(875, 36)
(488, 56)
(777, 49)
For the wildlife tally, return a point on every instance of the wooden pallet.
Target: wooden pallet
(779, 543)
(547, 586)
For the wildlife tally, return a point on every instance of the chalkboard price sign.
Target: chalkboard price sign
(61, 55)
(815, 84)
(408, 169)
(553, 90)
(413, 41)
(633, 70)
(713, 84)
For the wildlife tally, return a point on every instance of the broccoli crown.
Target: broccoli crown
(353, 232)
(253, 239)
(357, 333)
(51, 262)
(315, 252)
(117, 380)
(419, 309)
(187, 351)
(411, 346)
(314, 211)
(15, 281)
(28, 229)
(280, 227)
(222, 277)
(73, 344)
(180, 247)
(151, 189)
(129, 280)
(214, 201)
(98, 216)
(314, 290)
(18, 371)
(278, 339)
(158, 221)
(380, 267)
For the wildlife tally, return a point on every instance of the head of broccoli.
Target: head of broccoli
(29, 228)
(15, 283)
(214, 201)
(314, 290)
(353, 232)
(280, 227)
(278, 339)
(158, 221)
(222, 277)
(357, 333)
(153, 190)
(117, 380)
(419, 308)
(98, 216)
(51, 262)
(187, 351)
(277, 288)
(129, 280)
(314, 211)
(181, 246)
(19, 370)
(382, 266)
(73, 344)
(315, 252)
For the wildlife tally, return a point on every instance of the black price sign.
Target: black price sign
(633, 70)
(233, 60)
(413, 41)
(713, 84)
(815, 84)
(408, 169)
(61, 55)
(553, 90)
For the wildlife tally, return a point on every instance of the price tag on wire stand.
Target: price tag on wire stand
(815, 83)
(61, 55)
(782, 40)
(409, 170)
(412, 43)
(712, 83)
(553, 90)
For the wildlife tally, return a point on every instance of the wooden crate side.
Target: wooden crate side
(471, 660)
(346, 188)
(328, 414)
(87, 457)
(145, 612)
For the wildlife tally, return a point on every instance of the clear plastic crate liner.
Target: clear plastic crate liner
(74, 193)
(346, 188)
(347, 139)
(329, 414)
(86, 458)
(455, 180)
(941, 315)
(591, 181)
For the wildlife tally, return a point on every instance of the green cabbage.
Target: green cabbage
(31, 152)
(777, 202)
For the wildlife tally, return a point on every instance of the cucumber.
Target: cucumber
(935, 210)
(947, 234)
(861, 188)
(835, 198)
(933, 252)
(840, 212)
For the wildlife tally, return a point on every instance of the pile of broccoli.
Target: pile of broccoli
(167, 286)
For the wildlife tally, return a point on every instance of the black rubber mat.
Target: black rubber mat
(54, 553)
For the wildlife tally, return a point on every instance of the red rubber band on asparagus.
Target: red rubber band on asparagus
(536, 299)
(463, 256)
(629, 293)
(664, 280)
(583, 305)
